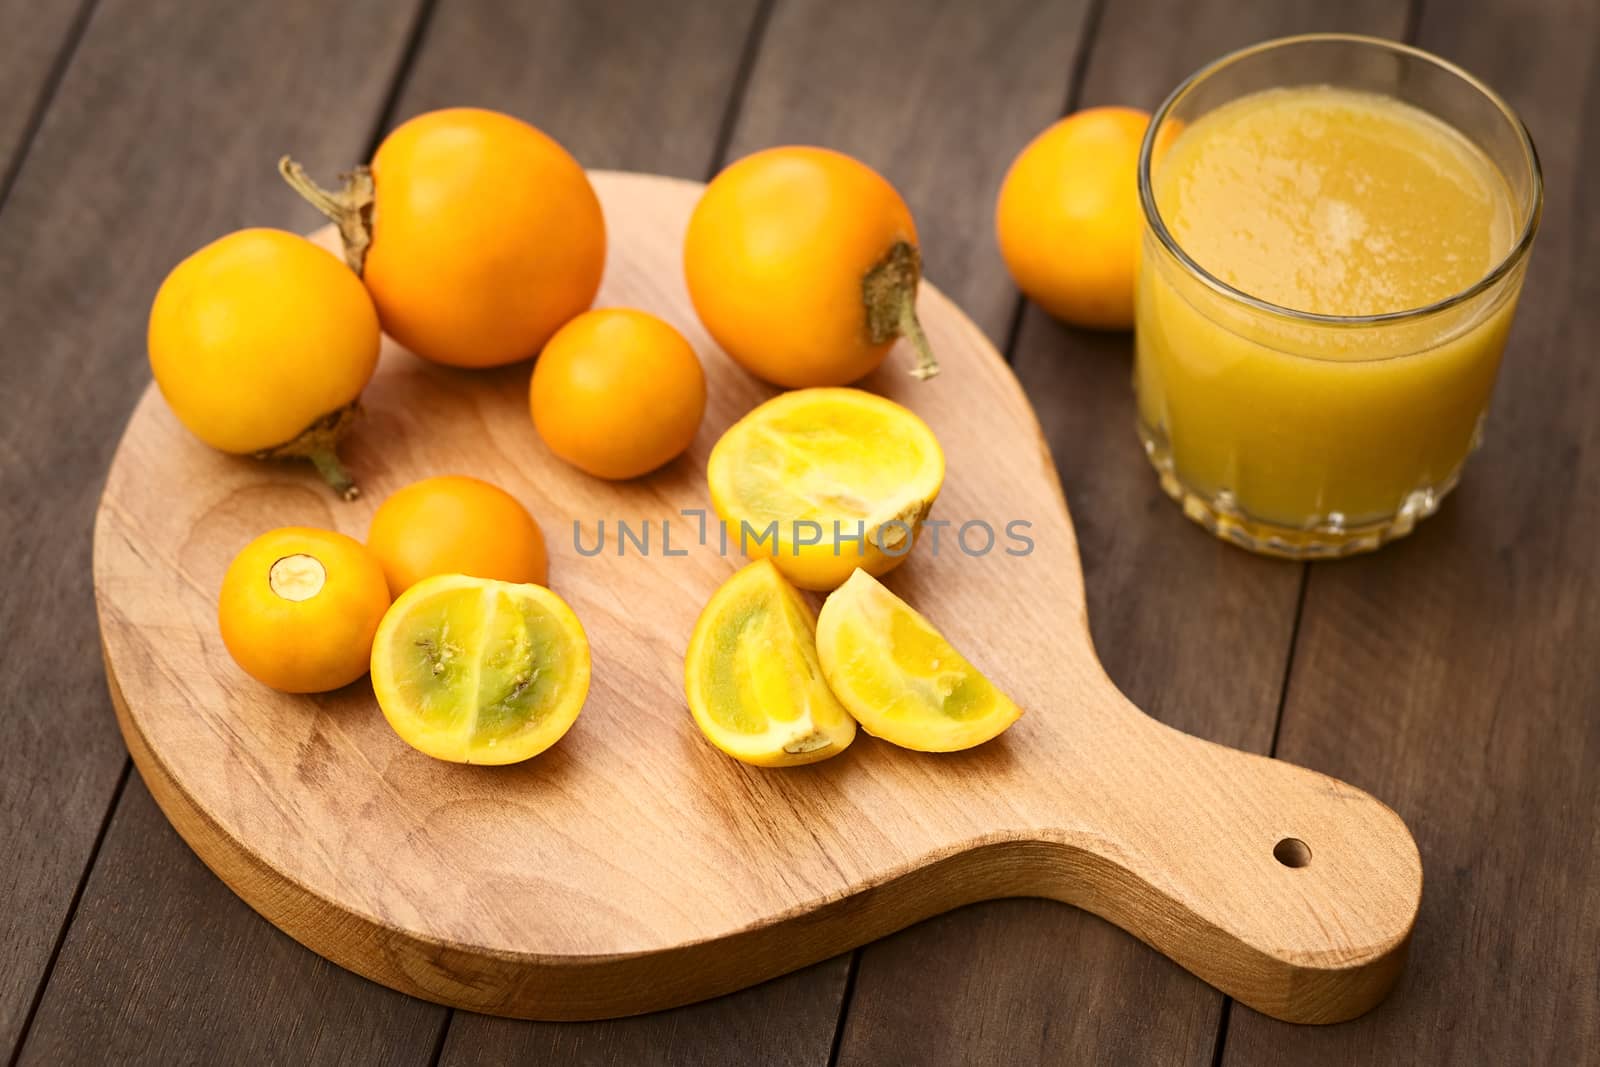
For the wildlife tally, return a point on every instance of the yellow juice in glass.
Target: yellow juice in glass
(1296, 407)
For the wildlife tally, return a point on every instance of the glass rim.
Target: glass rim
(1518, 251)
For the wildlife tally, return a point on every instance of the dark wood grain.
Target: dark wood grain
(162, 135)
(1023, 981)
(623, 84)
(34, 40)
(116, 996)
(1453, 674)
(787, 1022)
(1195, 632)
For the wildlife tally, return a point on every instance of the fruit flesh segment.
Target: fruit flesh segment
(900, 678)
(823, 481)
(518, 677)
(482, 672)
(763, 672)
(913, 673)
(940, 676)
(800, 468)
(435, 675)
(752, 676)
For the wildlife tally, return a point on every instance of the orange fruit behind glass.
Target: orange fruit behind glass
(456, 525)
(1068, 218)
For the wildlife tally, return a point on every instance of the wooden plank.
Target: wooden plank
(1453, 674)
(162, 135)
(787, 1021)
(165, 966)
(35, 40)
(1023, 981)
(623, 84)
(592, 76)
(1194, 631)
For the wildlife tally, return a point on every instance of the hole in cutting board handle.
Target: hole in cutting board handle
(1292, 852)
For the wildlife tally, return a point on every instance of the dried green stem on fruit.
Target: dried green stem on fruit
(889, 292)
(319, 443)
(350, 208)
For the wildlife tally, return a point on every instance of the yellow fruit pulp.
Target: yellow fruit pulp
(473, 670)
(899, 678)
(825, 481)
(752, 678)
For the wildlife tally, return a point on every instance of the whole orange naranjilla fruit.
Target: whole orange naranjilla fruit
(1068, 218)
(456, 525)
(261, 342)
(803, 264)
(477, 235)
(617, 393)
(299, 608)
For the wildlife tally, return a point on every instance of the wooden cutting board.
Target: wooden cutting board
(633, 866)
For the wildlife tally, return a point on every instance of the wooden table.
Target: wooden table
(1456, 674)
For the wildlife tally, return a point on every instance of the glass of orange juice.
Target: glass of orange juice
(1336, 231)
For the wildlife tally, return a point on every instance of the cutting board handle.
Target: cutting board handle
(1289, 890)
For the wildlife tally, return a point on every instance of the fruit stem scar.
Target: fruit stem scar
(319, 443)
(326, 460)
(298, 577)
(889, 291)
(350, 208)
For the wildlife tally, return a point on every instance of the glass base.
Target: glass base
(1326, 537)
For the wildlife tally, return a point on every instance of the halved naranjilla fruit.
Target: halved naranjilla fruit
(899, 677)
(474, 670)
(752, 678)
(823, 481)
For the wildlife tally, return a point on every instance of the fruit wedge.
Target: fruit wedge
(899, 677)
(825, 481)
(752, 678)
(473, 670)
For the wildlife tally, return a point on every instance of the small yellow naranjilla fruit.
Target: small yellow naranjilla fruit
(261, 342)
(823, 481)
(617, 393)
(456, 525)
